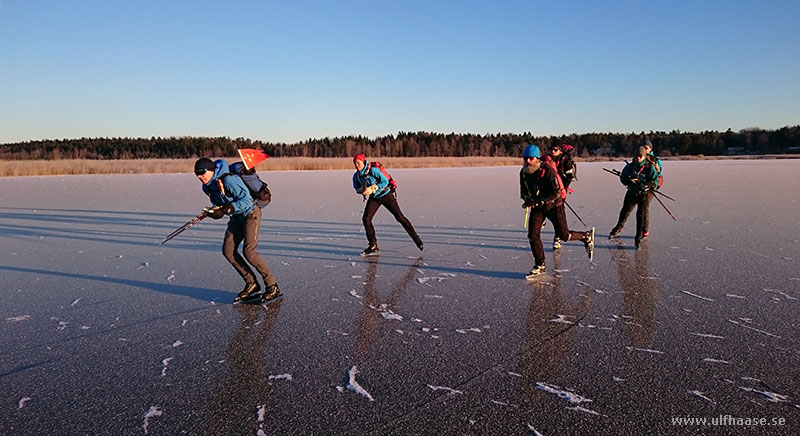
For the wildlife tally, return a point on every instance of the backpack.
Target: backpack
(547, 160)
(257, 187)
(378, 165)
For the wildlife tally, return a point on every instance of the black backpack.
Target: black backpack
(257, 187)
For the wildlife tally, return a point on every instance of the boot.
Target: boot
(371, 250)
(249, 290)
(615, 231)
(556, 243)
(418, 241)
(271, 293)
(588, 242)
(538, 270)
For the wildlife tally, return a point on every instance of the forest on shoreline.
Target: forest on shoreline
(753, 141)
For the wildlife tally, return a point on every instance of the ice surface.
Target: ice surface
(99, 320)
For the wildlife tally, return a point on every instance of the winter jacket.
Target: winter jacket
(540, 187)
(371, 176)
(229, 189)
(645, 173)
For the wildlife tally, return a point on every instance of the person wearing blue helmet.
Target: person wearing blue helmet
(540, 191)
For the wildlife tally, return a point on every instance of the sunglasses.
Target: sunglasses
(200, 172)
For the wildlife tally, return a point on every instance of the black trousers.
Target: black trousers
(389, 201)
(641, 202)
(245, 229)
(558, 217)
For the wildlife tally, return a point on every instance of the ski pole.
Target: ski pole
(576, 213)
(663, 195)
(185, 227)
(527, 214)
(617, 173)
(664, 206)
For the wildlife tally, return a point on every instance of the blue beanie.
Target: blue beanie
(531, 151)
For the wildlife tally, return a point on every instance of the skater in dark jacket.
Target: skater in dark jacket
(541, 192)
(640, 177)
(230, 196)
(648, 147)
(376, 187)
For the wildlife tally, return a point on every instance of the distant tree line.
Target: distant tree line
(419, 144)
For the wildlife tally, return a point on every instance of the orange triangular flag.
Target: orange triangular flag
(252, 157)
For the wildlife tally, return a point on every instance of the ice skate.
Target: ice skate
(271, 293)
(589, 244)
(536, 272)
(250, 289)
(372, 250)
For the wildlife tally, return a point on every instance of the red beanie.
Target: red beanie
(360, 157)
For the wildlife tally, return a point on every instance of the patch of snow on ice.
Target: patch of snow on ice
(534, 431)
(779, 292)
(280, 377)
(388, 314)
(735, 296)
(445, 388)
(18, 318)
(165, 362)
(353, 385)
(171, 276)
(697, 296)
(754, 329)
(153, 411)
(177, 344)
(571, 397)
(425, 280)
(706, 335)
(703, 396)
(646, 350)
(710, 360)
(561, 319)
(75, 301)
(771, 396)
(22, 402)
(584, 410)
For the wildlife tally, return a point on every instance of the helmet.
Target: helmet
(531, 151)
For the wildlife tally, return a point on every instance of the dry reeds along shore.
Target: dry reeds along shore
(9, 168)
(136, 166)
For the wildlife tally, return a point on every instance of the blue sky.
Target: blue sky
(286, 71)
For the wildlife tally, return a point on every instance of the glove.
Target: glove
(370, 190)
(360, 190)
(218, 211)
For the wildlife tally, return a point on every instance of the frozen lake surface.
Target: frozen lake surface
(104, 331)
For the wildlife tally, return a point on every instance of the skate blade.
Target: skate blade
(271, 300)
(249, 300)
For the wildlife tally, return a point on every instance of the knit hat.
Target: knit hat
(531, 151)
(203, 164)
(360, 157)
(646, 143)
